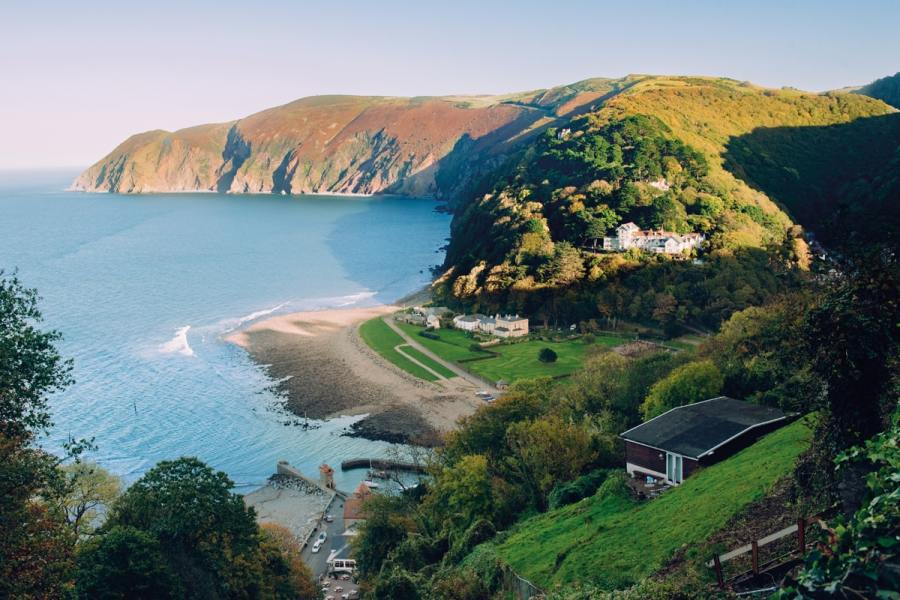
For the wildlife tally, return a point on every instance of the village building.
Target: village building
(503, 326)
(629, 235)
(429, 316)
(677, 443)
(354, 512)
(510, 326)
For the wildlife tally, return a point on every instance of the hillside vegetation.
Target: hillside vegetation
(614, 542)
(886, 89)
(661, 152)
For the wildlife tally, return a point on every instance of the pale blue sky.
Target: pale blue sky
(78, 77)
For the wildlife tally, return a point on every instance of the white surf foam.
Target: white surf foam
(178, 344)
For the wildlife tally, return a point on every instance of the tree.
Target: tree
(465, 490)
(387, 525)
(207, 535)
(287, 576)
(685, 385)
(124, 563)
(30, 367)
(547, 355)
(88, 489)
(852, 336)
(35, 544)
(545, 452)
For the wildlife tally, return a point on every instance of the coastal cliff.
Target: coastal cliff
(426, 146)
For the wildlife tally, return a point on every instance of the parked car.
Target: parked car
(329, 518)
(322, 537)
(316, 547)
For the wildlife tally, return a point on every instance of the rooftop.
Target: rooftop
(696, 429)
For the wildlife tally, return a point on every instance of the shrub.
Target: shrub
(547, 355)
(573, 491)
(430, 335)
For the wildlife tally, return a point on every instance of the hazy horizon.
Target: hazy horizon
(79, 79)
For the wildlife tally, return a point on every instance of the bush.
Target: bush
(475, 347)
(430, 335)
(584, 486)
(547, 355)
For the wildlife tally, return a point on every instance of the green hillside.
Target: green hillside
(613, 541)
(735, 162)
(886, 89)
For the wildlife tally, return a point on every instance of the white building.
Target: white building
(511, 326)
(501, 326)
(629, 235)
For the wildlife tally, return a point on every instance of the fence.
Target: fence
(753, 548)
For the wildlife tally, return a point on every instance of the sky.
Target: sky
(77, 78)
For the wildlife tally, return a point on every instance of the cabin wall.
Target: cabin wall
(643, 456)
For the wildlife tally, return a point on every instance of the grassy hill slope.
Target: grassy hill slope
(615, 542)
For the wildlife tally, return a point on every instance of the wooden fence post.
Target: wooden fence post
(755, 549)
(719, 576)
(801, 535)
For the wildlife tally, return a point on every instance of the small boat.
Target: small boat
(371, 484)
(377, 474)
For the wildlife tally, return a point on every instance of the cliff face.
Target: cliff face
(346, 144)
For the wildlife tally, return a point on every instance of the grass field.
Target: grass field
(382, 339)
(614, 541)
(435, 366)
(516, 361)
(453, 345)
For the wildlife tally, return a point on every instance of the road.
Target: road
(477, 382)
(335, 540)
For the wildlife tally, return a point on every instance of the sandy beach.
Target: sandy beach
(324, 369)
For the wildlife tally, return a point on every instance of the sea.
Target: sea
(144, 287)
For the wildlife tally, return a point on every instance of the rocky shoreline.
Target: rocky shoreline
(322, 369)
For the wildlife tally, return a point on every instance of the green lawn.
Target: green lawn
(382, 339)
(516, 361)
(436, 366)
(520, 361)
(615, 541)
(453, 345)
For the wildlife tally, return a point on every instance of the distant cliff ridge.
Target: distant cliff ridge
(430, 146)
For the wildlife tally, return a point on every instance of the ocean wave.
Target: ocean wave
(179, 343)
(229, 325)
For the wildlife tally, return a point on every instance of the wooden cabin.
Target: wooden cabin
(675, 444)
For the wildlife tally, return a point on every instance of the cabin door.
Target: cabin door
(673, 468)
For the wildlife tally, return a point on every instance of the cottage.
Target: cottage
(629, 235)
(429, 316)
(354, 505)
(678, 442)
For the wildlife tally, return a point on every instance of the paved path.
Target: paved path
(476, 381)
(399, 349)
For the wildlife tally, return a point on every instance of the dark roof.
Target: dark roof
(695, 429)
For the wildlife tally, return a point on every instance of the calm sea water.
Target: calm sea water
(144, 287)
